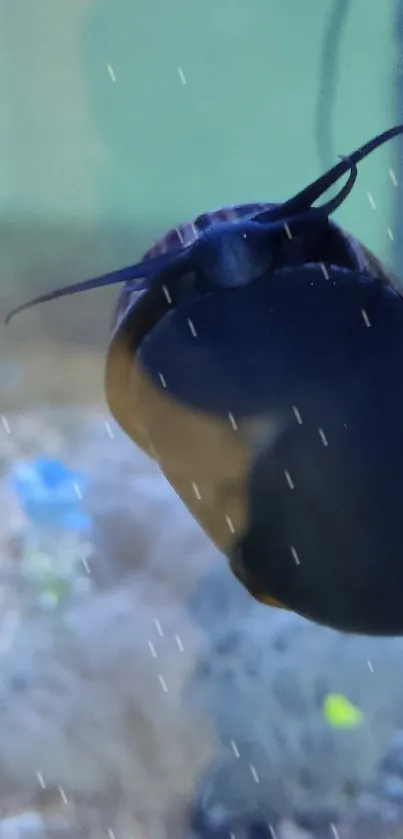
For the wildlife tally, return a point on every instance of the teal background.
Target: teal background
(102, 145)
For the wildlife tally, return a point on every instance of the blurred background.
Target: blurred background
(118, 120)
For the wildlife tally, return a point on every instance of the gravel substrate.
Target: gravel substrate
(220, 721)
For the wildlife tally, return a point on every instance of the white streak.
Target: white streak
(6, 426)
(84, 562)
(255, 776)
(371, 200)
(63, 796)
(158, 627)
(179, 643)
(111, 72)
(393, 177)
(323, 437)
(287, 231)
(167, 294)
(365, 318)
(196, 491)
(295, 555)
(163, 683)
(152, 649)
(109, 430)
(297, 414)
(235, 748)
(230, 524)
(181, 75)
(191, 327)
(289, 479)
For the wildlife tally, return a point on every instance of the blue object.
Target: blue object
(49, 493)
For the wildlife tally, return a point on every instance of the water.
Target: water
(121, 118)
(104, 146)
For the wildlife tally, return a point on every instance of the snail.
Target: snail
(257, 355)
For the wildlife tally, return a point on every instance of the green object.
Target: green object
(339, 712)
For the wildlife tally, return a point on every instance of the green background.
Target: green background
(92, 169)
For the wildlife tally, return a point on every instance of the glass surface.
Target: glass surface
(118, 120)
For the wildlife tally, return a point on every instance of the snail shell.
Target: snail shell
(204, 457)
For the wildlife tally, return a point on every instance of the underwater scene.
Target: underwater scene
(201, 429)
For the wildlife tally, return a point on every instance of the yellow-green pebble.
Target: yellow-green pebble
(339, 712)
